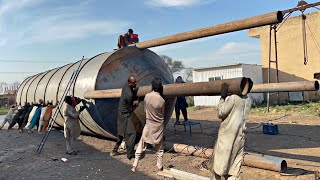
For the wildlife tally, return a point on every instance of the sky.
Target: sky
(38, 35)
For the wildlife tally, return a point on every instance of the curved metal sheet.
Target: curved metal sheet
(32, 88)
(85, 82)
(52, 86)
(104, 71)
(24, 92)
(144, 64)
(47, 81)
(66, 78)
(39, 92)
(21, 87)
(62, 87)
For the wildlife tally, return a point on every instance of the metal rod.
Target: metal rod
(240, 86)
(269, 68)
(286, 87)
(276, 59)
(269, 163)
(247, 23)
(299, 8)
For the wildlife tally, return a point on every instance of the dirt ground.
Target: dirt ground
(298, 143)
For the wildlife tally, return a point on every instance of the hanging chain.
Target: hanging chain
(304, 35)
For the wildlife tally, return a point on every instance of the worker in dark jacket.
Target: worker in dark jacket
(26, 117)
(126, 130)
(181, 104)
(16, 119)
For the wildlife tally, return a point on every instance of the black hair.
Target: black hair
(68, 100)
(130, 30)
(157, 85)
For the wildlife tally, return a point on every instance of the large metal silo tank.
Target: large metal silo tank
(104, 71)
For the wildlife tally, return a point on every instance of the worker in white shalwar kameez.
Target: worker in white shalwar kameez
(9, 116)
(153, 130)
(72, 128)
(229, 147)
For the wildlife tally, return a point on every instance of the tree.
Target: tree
(3, 86)
(188, 74)
(16, 85)
(174, 66)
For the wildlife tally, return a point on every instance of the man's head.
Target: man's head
(68, 100)
(132, 81)
(130, 31)
(179, 79)
(72, 100)
(157, 85)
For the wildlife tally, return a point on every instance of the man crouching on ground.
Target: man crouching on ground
(153, 130)
(228, 151)
(72, 128)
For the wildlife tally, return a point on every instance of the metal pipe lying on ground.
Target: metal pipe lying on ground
(286, 87)
(240, 86)
(269, 163)
(247, 23)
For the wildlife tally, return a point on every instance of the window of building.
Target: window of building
(215, 78)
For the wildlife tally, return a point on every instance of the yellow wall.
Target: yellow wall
(290, 51)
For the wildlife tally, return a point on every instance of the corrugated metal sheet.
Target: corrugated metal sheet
(226, 72)
(255, 73)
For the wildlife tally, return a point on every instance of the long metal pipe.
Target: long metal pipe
(240, 86)
(267, 163)
(286, 87)
(247, 23)
(212, 88)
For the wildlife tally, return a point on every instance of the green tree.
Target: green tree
(174, 66)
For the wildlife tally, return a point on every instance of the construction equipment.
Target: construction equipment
(61, 102)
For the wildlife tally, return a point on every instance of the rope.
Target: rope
(257, 126)
(314, 38)
(304, 36)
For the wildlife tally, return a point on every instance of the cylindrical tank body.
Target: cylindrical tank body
(104, 71)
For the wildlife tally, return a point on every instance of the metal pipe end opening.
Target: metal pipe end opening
(246, 86)
(316, 85)
(279, 16)
(284, 166)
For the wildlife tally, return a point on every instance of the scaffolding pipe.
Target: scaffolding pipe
(247, 23)
(267, 163)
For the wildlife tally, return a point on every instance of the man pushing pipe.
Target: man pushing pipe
(229, 148)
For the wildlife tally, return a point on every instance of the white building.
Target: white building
(252, 71)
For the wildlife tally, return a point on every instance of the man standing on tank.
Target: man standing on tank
(126, 130)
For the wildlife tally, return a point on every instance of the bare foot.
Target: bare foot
(133, 168)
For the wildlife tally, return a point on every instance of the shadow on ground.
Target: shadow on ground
(19, 160)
